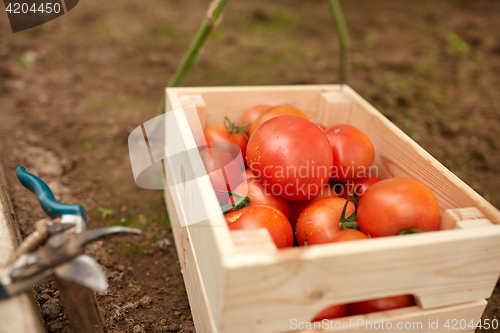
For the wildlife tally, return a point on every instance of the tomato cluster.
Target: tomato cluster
(310, 184)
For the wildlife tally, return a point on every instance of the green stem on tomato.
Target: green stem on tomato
(348, 222)
(410, 231)
(233, 129)
(241, 202)
(349, 225)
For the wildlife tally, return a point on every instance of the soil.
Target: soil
(73, 89)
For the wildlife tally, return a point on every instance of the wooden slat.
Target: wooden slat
(232, 102)
(195, 286)
(439, 269)
(198, 101)
(253, 240)
(416, 319)
(209, 239)
(334, 108)
(19, 313)
(464, 218)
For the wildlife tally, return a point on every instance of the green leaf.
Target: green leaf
(105, 212)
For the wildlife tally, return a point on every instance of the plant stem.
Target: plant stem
(214, 12)
(345, 42)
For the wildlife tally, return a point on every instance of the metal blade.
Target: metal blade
(95, 234)
(84, 271)
(57, 228)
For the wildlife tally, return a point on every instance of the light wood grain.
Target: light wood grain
(210, 238)
(465, 218)
(19, 313)
(200, 306)
(334, 108)
(254, 240)
(198, 101)
(232, 102)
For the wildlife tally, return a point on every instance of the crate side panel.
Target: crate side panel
(210, 238)
(233, 102)
(199, 304)
(440, 269)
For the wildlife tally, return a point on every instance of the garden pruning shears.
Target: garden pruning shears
(57, 245)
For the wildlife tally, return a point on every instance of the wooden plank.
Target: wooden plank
(19, 313)
(439, 268)
(210, 239)
(233, 101)
(193, 279)
(415, 319)
(253, 240)
(334, 108)
(464, 218)
(81, 306)
(198, 101)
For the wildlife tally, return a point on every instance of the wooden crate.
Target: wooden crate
(239, 282)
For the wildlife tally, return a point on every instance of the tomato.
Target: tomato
(250, 115)
(331, 312)
(296, 207)
(319, 221)
(397, 204)
(214, 159)
(249, 174)
(291, 156)
(320, 125)
(260, 195)
(379, 304)
(353, 152)
(227, 132)
(365, 183)
(349, 235)
(276, 111)
(263, 216)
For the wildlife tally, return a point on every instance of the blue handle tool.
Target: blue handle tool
(49, 204)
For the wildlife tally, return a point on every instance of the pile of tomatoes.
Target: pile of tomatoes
(308, 184)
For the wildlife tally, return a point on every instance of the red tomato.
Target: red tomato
(349, 235)
(260, 195)
(331, 312)
(353, 152)
(320, 125)
(214, 160)
(319, 221)
(263, 216)
(379, 304)
(227, 132)
(291, 156)
(276, 111)
(249, 174)
(250, 115)
(397, 204)
(296, 207)
(365, 183)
